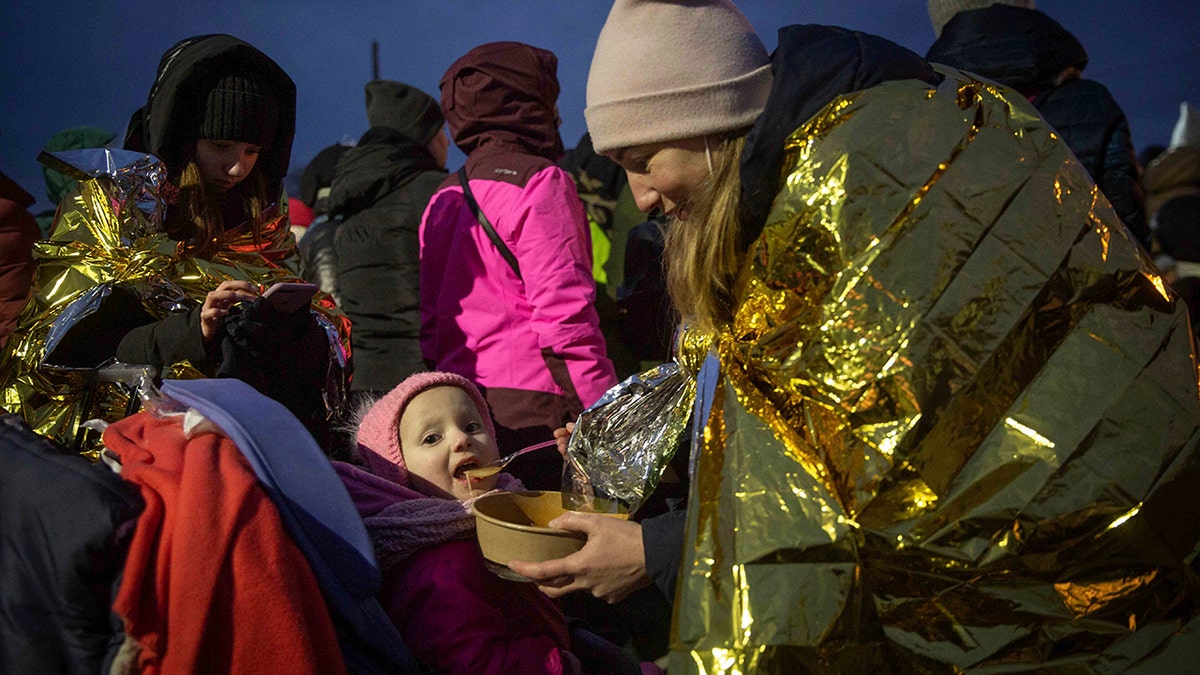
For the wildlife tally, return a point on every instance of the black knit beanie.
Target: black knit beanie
(403, 108)
(240, 107)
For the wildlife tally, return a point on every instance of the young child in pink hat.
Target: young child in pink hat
(416, 443)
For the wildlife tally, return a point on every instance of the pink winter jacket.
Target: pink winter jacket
(454, 614)
(479, 320)
(458, 617)
(533, 344)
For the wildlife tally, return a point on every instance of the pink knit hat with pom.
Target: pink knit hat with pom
(379, 433)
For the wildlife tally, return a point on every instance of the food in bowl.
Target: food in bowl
(515, 526)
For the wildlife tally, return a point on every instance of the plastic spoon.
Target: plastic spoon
(497, 466)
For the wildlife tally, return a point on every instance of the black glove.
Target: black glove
(284, 356)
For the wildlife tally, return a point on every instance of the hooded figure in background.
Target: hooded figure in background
(18, 232)
(379, 191)
(318, 262)
(1020, 47)
(516, 315)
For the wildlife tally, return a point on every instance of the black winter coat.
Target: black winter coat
(380, 192)
(65, 525)
(1028, 51)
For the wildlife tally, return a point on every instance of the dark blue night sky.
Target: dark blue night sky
(69, 63)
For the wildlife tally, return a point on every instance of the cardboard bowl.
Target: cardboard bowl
(514, 526)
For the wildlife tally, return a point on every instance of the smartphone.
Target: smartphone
(287, 297)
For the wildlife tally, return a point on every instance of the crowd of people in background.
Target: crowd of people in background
(938, 314)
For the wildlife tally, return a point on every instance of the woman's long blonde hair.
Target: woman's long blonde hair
(198, 217)
(701, 254)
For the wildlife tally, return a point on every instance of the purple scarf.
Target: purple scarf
(402, 521)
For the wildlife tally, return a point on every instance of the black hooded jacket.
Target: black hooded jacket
(379, 192)
(812, 66)
(164, 127)
(1028, 51)
(167, 123)
(65, 526)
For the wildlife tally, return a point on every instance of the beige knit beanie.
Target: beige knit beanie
(941, 11)
(666, 70)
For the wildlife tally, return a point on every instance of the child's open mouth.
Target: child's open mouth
(460, 471)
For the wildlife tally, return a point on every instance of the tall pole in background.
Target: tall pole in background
(374, 59)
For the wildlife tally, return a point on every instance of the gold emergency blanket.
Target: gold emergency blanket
(956, 420)
(102, 241)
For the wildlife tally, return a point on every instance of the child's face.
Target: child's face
(224, 164)
(442, 435)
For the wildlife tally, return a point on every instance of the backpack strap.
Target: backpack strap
(487, 225)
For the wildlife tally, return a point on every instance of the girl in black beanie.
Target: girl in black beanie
(221, 117)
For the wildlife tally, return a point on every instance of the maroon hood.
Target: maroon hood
(504, 94)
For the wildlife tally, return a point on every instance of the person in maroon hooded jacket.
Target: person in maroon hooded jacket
(512, 310)
(18, 231)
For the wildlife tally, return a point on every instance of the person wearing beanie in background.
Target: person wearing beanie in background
(415, 444)
(513, 308)
(934, 373)
(1018, 46)
(18, 232)
(379, 191)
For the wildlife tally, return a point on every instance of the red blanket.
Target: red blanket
(213, 583)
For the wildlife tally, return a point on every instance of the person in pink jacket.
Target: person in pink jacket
(525, 328)
(416, 443)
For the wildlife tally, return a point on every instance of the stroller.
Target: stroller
(56, 609)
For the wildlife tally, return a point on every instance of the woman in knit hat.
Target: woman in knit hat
(221, 115)
(416, 444)
(886, 272)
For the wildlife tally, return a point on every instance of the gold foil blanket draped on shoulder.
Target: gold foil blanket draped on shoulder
(957, 417)
(107, 239)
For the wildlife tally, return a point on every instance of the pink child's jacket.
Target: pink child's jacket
(455, 615)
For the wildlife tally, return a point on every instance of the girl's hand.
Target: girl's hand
(562, 435)
(217, 304)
